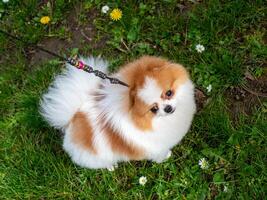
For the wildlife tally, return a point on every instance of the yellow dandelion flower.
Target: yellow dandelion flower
(116, 14)
(45, 20)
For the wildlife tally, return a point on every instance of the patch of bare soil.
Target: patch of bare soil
(201, 99)
(245, 98)
(80, 34)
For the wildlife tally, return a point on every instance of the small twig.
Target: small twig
(125, 44)
(186, 26)
(84, 35)
(134, 45)
(253, 92)
(122, 50)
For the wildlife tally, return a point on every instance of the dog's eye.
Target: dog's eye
(154, 109)
(169, 93)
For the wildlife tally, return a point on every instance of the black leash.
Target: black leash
(72, 61)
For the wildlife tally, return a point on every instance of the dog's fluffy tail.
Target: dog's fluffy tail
(68, 92)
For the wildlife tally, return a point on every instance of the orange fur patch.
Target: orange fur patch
(119, 145)
(171, 77)
(82, 131)
(141, 115)
(168, 76)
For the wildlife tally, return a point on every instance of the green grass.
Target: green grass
(32, 162)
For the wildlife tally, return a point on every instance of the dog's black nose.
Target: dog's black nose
(168, 109)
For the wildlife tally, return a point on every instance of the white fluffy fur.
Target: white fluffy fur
(70, 93)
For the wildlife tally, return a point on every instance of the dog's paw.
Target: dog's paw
(112, 167)
(163, 157)
(169, 154)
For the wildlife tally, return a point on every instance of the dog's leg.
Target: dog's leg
(162, 157)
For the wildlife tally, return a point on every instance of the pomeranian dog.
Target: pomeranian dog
(105, 123)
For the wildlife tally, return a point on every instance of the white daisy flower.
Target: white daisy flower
(142, 180)
(209, 88)
(105, 9)
(203, 163)
(200, 48)
(5, 1)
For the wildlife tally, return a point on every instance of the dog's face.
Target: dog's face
(154, 87)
